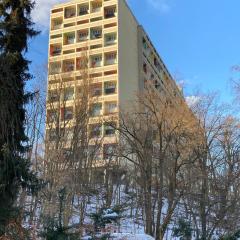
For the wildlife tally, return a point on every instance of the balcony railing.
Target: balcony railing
(68, 67)
(57, 26)
(96, 63)
(83, 10)
(70, 13)
(96, 34)
(110, 90)
(110, 61)
(110, 41)
(56, 52)
(110, 13)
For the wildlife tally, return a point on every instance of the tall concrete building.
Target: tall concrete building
(121, 59)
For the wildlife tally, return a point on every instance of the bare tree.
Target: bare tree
(214, 178)
(155, 139)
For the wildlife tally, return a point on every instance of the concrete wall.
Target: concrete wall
(128, 57)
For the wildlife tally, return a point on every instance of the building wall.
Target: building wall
(128, 55)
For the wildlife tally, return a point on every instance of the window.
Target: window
(96, 33)
(111, 107)
(110, 39)
(68, 66)
(96, 61)
(66, 113)
(110, 58)
(96, 110)
(96, 90)
(145, 67)
(109, 129)
(109, 151)
(55, 68)
(82, 35)
(69, 94)
(95, 130)
(53, 96)
(69, 38)
(70, 12)
(55, 50)
(82, 63)
(96, 6)
(57, 23)
(94, 152)
(110, 12)
(145, 46)
(109, 88)
(83, 9)
(157, 84)
(52, 116)
(52, 135)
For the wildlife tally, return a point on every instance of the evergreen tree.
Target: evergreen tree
(183, 230)
(53, 227)
(235, 236)
(16, 28)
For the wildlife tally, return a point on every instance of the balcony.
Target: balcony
(110, 39)
(94, 152)
(110, 88)
(55, 68)
(52, 116)
(110, 12)
(110, 58)
(96, 6)
(96, 33)
(96, 61)
(68, 94)
(68, 66)
(83, 9)
(69, 38)
(82, 63)
(109, 151)
(109, 129)
(56, 24)
(96, 110)
(53, 96)
(96, 90)
(70, 12)
(66, 114)
(83, 35)
(52, 135)
(111, 108)
(95, 130)
(145, 70)
(55, 50)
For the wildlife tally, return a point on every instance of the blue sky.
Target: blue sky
(199, 40)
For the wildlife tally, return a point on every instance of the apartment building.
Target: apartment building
(121, 59)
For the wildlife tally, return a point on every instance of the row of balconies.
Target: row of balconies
(96, 90)
(99, 130)
(95, 131)
(150, 77)
(80, 64)
(84, 35)
(96, 110)
(82, 9)
(109, 40)
(150, 54)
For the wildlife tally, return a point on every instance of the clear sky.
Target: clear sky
(199, 40)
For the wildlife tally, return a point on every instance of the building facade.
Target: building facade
(121, 58)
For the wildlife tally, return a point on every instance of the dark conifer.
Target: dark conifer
(16, 28)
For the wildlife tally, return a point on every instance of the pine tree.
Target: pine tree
(16, 28)
(183, 230)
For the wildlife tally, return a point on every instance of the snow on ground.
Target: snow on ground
(128, 236)
(125, 236)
